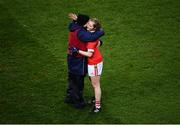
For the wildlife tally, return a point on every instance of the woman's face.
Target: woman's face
(90, 25)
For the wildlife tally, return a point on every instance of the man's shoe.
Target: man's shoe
(80, 105)
(92, 101)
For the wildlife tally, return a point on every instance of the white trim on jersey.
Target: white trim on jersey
(90, 50)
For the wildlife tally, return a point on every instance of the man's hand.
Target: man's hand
(72, 16)
(73, 51)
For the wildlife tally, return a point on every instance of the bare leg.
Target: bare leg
(95, 81)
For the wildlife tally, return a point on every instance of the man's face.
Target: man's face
(90, 25)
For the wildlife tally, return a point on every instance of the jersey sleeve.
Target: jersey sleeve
(91, 46)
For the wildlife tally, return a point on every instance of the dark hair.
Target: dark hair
(82, 19)
(97, 25)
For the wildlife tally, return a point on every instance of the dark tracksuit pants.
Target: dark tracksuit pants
(75, 87)
(77, 68)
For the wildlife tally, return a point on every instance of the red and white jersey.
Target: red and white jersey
(96, 57)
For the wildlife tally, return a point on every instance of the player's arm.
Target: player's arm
(100, 43)
(86, 36)
(90, 49)
(85, 53)
(73, 25)
(74, 51)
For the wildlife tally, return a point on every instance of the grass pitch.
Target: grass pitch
(141, 75)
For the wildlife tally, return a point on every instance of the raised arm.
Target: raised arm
(86, 36)
(73, 26)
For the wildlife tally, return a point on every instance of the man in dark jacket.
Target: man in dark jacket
(77, 65)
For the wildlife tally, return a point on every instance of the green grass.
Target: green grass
(141, 75)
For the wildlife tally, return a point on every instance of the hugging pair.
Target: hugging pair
(84, 56)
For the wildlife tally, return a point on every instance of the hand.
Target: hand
(85, 25)
(73, 51)
(99, 43)
(72, 16)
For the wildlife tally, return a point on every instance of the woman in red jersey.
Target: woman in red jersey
(95, 63)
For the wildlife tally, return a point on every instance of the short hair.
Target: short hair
(82, 19)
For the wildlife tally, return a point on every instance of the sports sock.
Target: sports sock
(98, 104)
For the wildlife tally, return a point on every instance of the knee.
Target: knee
(95, 84)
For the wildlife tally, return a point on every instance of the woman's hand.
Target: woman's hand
(72, 16)
(99, 43)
